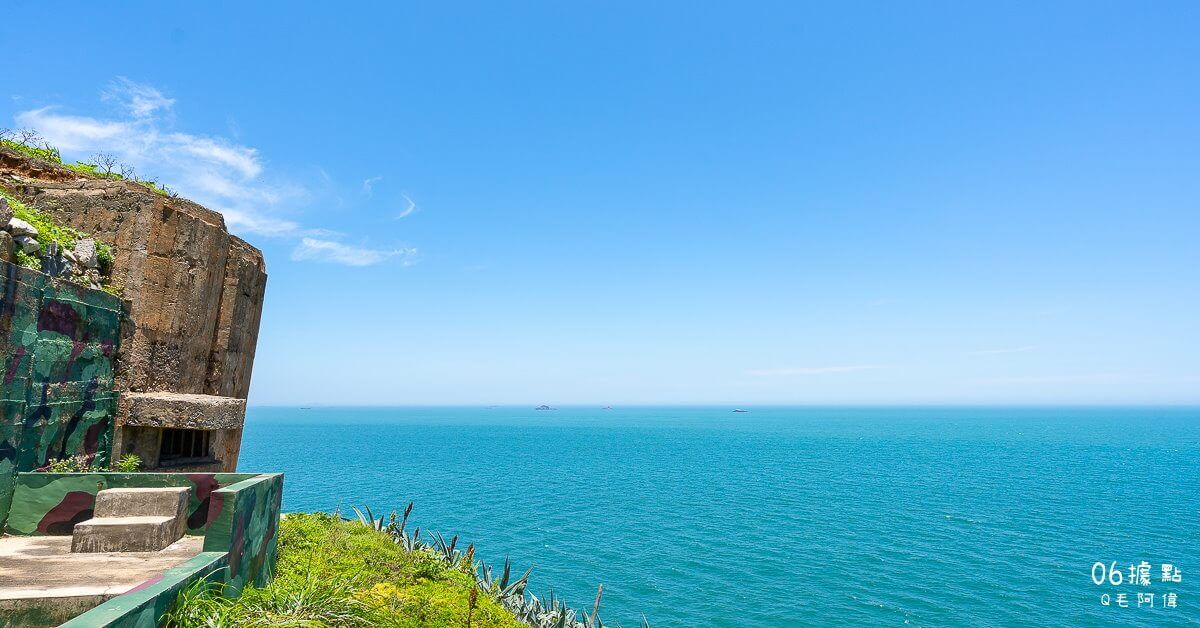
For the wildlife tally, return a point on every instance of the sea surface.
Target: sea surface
(698, 516)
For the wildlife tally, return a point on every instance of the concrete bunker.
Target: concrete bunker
(180, 432)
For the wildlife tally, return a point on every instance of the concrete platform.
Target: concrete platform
(134, 520)
(41, 578)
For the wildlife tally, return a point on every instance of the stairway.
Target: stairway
(133, 520)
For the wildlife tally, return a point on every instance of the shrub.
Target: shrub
(341, 573)
(129, 463)
(29, 143)
(373, 572)
(74, 464)
(28, 261)
(51, 231)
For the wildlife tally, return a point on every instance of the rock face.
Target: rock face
(7, 246)
(27, 244)
(19, 227)
(194, 292)
(85, 253)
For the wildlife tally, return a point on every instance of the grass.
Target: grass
(31, 144)
(37, 151)
(51, 231)
(333, 572)
(94, 170)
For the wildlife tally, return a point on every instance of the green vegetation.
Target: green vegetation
(48, 229)
(92, 169)
(28, 261)
(30, 147)
(129, 463)
(333, 572)
(74, 464)
(29, 143)
(51, 231)
(106, 172)
(115, 288)
(372, 572)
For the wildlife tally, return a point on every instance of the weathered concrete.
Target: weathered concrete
(145, 414)
(123, 534)
(195, 412)
(133, 520)
(194, 292)
(43, 584)
(7, 246)
(167, 501)
(46, 612)
(145, 442)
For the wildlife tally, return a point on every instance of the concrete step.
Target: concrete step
(168, 501)
(133, 520)
(124, 534)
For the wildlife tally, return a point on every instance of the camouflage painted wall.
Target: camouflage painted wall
(244, 520)
(52, 503)
(141, 607)
(239, 547)
(56, 397)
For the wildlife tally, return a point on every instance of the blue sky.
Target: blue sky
(670, 202)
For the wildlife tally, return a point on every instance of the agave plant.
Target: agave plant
(368, 519)
(526, 607)
(444, 549)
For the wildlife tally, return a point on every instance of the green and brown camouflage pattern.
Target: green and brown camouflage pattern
(243, 520)
(59, 341)
(52, 503)
(145, 604)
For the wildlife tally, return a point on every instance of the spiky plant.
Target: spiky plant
(368, 518)
(528, 608)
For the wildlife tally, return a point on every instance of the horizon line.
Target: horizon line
(1188, 404)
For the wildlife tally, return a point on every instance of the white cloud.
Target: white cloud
(1001, 351)
(369, 184)
(811, 370)
(236, 220)
(216, 172)
(140, 100)
(409, 207)
(241, 159)
(72, 133)
(313, 249)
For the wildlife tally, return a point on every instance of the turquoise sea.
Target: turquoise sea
(697, 516)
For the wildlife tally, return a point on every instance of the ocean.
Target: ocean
(783, 516)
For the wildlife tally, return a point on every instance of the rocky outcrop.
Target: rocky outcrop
(193, 291)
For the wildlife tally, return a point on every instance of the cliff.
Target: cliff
(193, 292)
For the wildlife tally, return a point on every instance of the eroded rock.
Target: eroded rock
(7, 250)
(17, 227)
(28, 244)
(85, 253)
